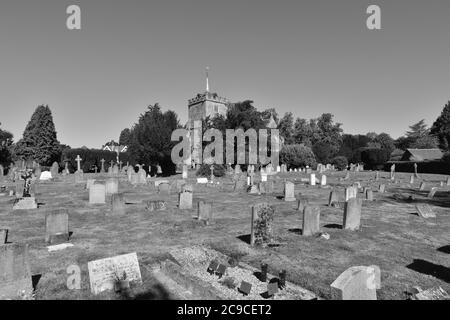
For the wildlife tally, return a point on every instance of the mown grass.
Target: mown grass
(392, 236)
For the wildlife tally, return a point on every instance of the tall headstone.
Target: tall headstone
(15, 273)
(311, 221)
(369, 194)
(112, 186)
(54, 170)
(352, 214)
(185, 200)
(415, 171)
(312, 179)
(185, 171)
(411, 179)
(333, 198)
(57, 226)
(289, 188)
(350, 192)
(382, 188)
(117, 204)
(78, 160)
(301, 204)
(205, 211)
(97, 194)
(432, 192)
(323, 180)
(3, 236)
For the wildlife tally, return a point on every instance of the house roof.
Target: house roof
(424, 154)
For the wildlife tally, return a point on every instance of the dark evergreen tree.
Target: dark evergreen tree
(125, 137)
(6, 140)
(441, 128)
(39, 142)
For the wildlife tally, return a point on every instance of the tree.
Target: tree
(425, 142)
(39, 142)
(297, 155)
(385, 142)
(441, 128)
(417, 130)
(6, 140)
(125, 137)
(352, 145)
(151, 138)
(286, 127)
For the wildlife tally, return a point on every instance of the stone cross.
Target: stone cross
(103, 165)
(78, 160)
(212, 172)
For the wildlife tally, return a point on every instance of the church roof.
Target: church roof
(422, 154)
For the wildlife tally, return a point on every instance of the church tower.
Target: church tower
(206, 104)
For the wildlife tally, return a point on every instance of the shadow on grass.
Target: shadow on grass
(35, 280)
(428, 268)
(157, 292)
(445, 249)
(245, 238)
(296, 231)
(333, 226)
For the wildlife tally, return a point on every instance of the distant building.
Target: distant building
(205, 105)
(114, 147)
(419, 155)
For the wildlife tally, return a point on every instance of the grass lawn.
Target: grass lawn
(410, 251)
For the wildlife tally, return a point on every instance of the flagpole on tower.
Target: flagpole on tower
(207, 79)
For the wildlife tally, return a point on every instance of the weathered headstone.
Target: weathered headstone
(323, 180)
(102, 169)
(97, 194)
(57, 226)
(164, 188)
(301, 204)
(112, 186)
(205, 211)
(3, 236)
(352, 214)
(350, 192)
(185, 200)
(411, 179)
(333, 198)
(369, 194)
(54, 170)
(117, 204)
(432, 192)
(261, 224)
(15, 273)
(89, 183)
(422, 186)
(357, 283)
(425, 211)
(311, 221)
(382, 188)
(104, 273)
(312, 179)
(2, 171)
(289, 188)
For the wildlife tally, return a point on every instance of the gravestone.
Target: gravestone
(97, 194)
(352, 214)
(3, 236)
(448, 181)
(45, 176)
(377, 176)
(117, 204)
(205, 211)
(415, 170)
(155, 205)
(185, 171)
(312, 179)
(187, 188)
(164, 188)
(133, 177)
(369, 194)
(323, 180)
(333, 198)
(202, 180)
(382, 188)
(425, 211)
(38, 172)
(112, 186)
(79, 176)
(261, 231)
(89, 183)
(115, 170)
(357, 283)
(142, 176)
(102, 169)
(411, 179)
(15, 273)
(311, 221)
(26, 203)
(350, 192)
(104, 273)
(432, 193)
(289, 188)
(245, 288)
(272, 289)
(185, 200)
(301, 204)
(57, 226)
(2, 171)
(54, 170)
(422, 186)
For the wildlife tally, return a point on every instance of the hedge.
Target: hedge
(437, 167)
(91, 158)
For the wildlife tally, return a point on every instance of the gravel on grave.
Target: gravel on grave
(196, 259)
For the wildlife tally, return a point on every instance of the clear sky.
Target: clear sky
(308, 57)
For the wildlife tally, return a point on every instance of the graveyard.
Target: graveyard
(177, 227)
